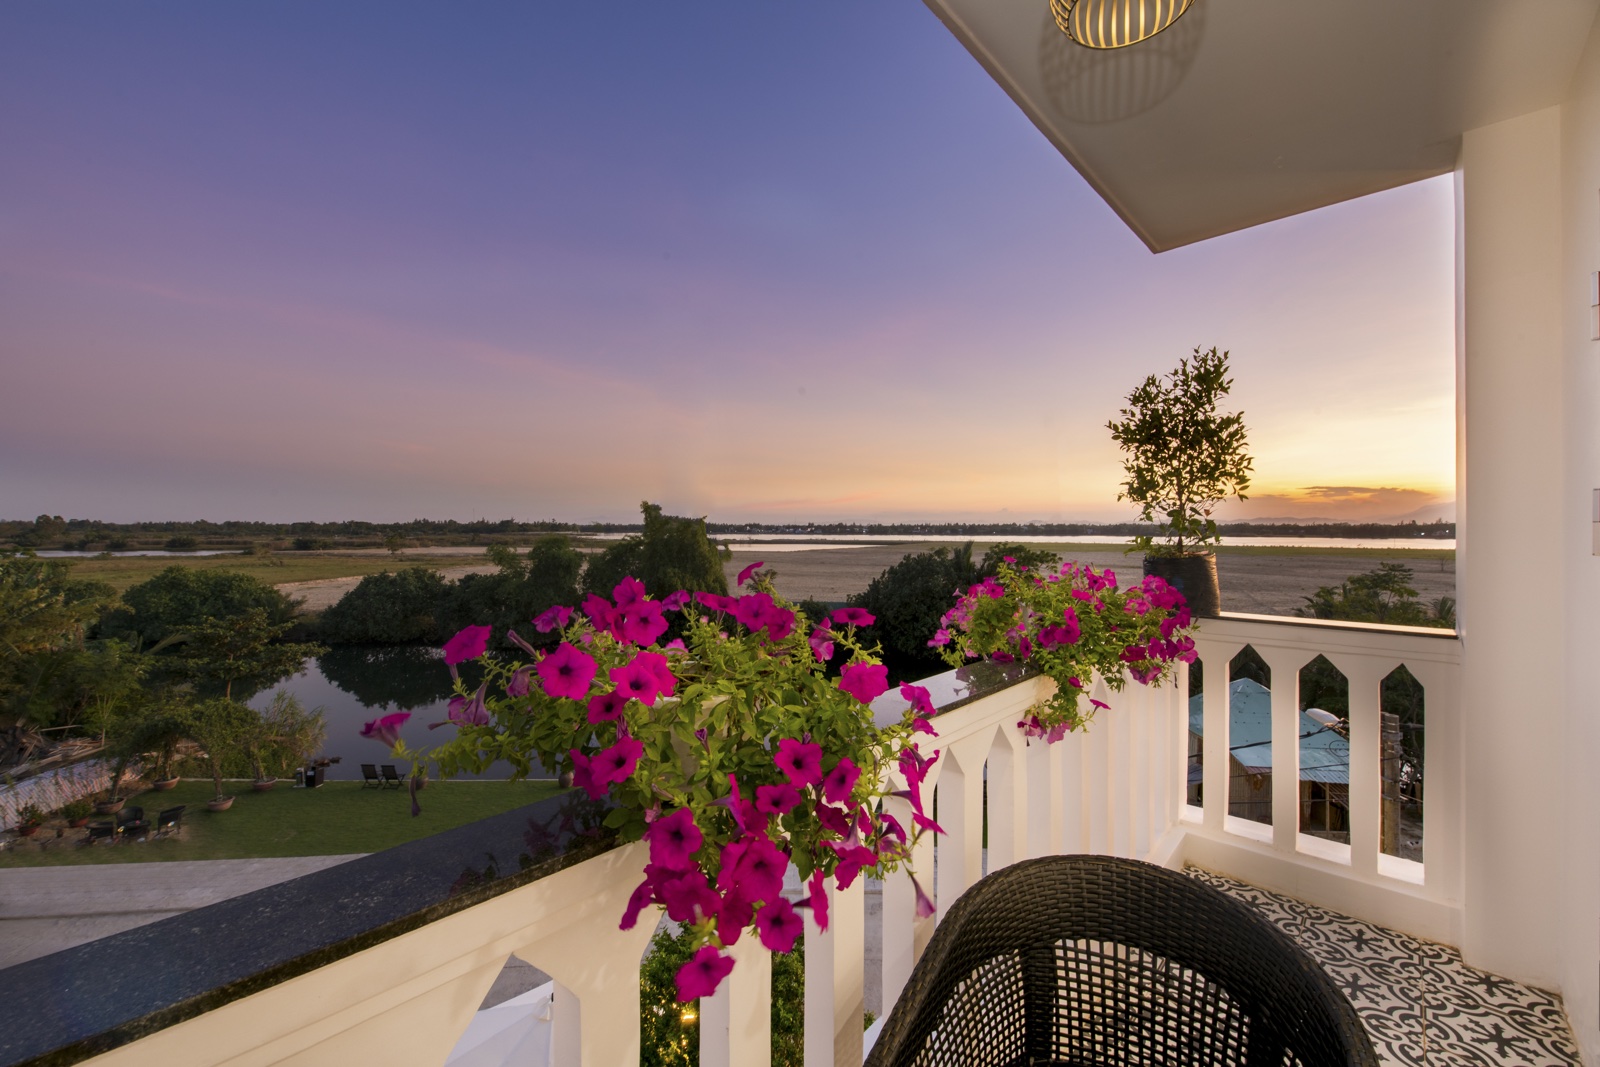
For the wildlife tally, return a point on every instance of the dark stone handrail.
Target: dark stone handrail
(71, 1005)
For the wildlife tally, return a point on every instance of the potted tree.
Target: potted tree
(29, 819)
(1182, 458)
(221, 727)
(287, 733)
(76, 813)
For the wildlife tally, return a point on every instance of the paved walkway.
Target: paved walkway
(47, 909)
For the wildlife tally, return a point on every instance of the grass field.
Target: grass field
(337, 819)
(125, 571)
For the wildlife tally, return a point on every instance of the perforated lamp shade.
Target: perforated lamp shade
(1115, 23)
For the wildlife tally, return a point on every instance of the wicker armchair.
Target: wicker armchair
(1091, 961)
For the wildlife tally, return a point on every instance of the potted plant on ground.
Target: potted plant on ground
(220, 728)
(29, 819)
(1183, 457)
(76, 813)
(287, 734)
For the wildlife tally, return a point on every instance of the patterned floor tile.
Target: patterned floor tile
(1422, 1005)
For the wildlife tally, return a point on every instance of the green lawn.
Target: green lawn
(125, 571)
(337, 819)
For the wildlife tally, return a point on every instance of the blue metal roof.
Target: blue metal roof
(1324, 753)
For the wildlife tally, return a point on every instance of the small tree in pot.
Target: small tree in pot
(222, 727)
(1182, 458)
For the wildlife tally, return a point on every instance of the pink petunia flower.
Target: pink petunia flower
(520, 685)
(676, 601)
(642, 897)
(836, 787)
(853, 617)
(636, 680)
(471, 711)
(864, 681)
(599, 610)
(607, 707)
(688, 897)
(745, 574)
(799, 760)
(759, 869)
(852, 858)
(919, 698)
(386, 728)
(629, 591)
(674, 839)
(702, 974)
(567, 672)
(469, 643)
(821, 641)
(777, 799)
(641, 622)
(924, 901)
(779, 926)
(817, 899)
(552, 618)
(617, 763)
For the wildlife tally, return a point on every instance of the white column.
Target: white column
(1511, 494)
(1215, 740)
(899, 918)
(835, 989)
(1364, 678)
(1285, 667)
(736, 1021)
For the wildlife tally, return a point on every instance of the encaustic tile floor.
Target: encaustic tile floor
(1422, 1006)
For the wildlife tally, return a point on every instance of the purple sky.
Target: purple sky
(758, 261)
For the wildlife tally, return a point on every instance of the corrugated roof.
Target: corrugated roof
(1324, 753)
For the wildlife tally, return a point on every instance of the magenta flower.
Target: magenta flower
(745, 574)
(779, 926)
(758, 870)
(466, 711)
(386, 728)
(864, 681)
(518, 640)
(734, 912)
(834, 820)
(676, 601)
(702, 974)
(469, 643)
(641, 622)
(924, 901)
(744, 813)
(553, 618)
(821, 641)
(674, 839)
(519, 684)
(638, 681)
(817, 900)
(567, 672)
(853, 617)
(851, 859)
(941, 637)
(919, 698)
(628, 591)
(914, 765)
(617, 763)
(657, 665)
(799, 760)
(583, 776)
(688, 897)
(642, 897)
(776, 799)
(840, 781)
(718, 603)
(599, 610)
(607, 707)
(676, 647)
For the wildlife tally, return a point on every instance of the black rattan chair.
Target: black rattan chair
(1091, 961)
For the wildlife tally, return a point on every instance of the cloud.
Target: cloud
(1341, 503)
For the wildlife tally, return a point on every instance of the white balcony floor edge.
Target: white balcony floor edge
(1422, 1006)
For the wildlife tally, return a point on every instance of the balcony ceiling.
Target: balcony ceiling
(1247, 111)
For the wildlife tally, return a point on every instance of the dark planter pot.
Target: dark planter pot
(161, 785)
(220, 803)
(109, 807)
(27, 831)
(1194, 576)
(261, 785)
(78, 824)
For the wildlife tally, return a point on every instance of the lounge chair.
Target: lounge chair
(101, 831)
(1090, 959)
(370, 776)
(170, 821)
(392, 777)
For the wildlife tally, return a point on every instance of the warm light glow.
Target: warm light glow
(689, 1016)
(1115, 23)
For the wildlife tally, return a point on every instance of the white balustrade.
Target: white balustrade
(1117, 787)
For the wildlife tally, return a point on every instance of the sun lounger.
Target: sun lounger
(370, 776)
(392, 776)
(170, 821)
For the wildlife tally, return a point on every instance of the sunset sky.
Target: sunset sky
(302, 260)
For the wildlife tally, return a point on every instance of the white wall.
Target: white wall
(1580, 749)
(1512, 488)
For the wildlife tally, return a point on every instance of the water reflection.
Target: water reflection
(352, 684)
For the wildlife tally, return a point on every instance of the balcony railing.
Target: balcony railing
(387, 958)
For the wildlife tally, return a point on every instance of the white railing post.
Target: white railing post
(1140, 737)
(1364, 678)
(736, 1021)
(1285, 667)
(1216, 773)
(835, 986)
(1096, 744)
(899, 917)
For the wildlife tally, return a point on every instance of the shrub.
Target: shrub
(182, 543)
(180, 598)
(387, 609)
(522, 587)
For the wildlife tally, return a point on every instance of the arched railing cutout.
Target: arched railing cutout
(1324, 743)
(1401, 765)
(1250, 737)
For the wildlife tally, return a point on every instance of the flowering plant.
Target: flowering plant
(1070, 624)
(729, 750)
